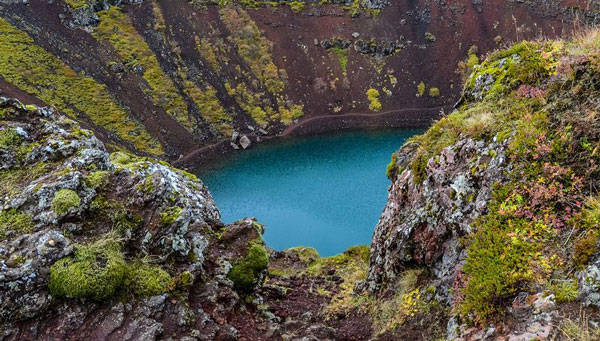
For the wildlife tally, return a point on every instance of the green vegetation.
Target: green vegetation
(421, 89)
(79, 4)
(98, 271)
(297, 6)
(95, 271)
(529, 97)
(116, 28)
(208, 52)
(255, 51)
(434, 92)
(565, 291)
(523, 63)
(147, 280)
(254, 48)
(9, 138)
(392, 168)
(579, 329)
(97, 179)
(342, 55)
(64, 200)
(245, 272)
(36, 71)
(429, 37)
(373, 96)
(14, 221)
(170, 215)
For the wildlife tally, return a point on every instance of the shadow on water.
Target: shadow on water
(326, 192)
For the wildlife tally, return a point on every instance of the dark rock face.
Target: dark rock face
(165, 215)
(422, 223)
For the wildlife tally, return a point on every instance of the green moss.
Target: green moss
(51, 80)
(342, 55)
(186, 279)
(148, 186)
(434, 92)
(392, 167)
(524, 63)
(124, 159)
(9, 138)
(297, 6)
(255, 51)
(79, 4)
(374, 102)
(14, 221)
(353, 253)
(430, 37)
(585, 247)
(97, 179)
(306, 254)
(421, 89)
(565, 291)
(116, 28)
(170, 215)
(95, 272)
(64, 200)
(147, 280)
(254, 48)
(245, 272)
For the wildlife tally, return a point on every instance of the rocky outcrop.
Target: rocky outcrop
(422, 224)
(63, 194)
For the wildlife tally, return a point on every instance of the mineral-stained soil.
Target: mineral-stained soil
(326, 58)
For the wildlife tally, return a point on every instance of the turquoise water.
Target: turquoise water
(326, 191)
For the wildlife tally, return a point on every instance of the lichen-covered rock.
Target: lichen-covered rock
(589, 285)
(98, 245)
(422, 223)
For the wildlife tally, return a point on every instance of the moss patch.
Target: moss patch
(54, 82)
(64, 200)
(116, 28)
(96, 272)
(147, 280)
(14, 221)
(374, 102)
(245, 272)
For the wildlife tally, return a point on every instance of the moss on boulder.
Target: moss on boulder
(96, 272)
(64, 200)
(245, 272)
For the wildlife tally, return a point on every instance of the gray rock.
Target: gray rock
(245, 142)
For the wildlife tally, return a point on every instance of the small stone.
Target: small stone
(245, 142)
(51, 242)
(355, 35)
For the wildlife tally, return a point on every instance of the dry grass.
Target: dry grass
(579, 329)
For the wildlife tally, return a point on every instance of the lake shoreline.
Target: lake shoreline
(207, 157)
(322, 191)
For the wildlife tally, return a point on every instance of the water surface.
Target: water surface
(326, 191)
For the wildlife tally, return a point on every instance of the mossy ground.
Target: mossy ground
(14, 221)
(245, 272)
(116, 29)
(64, 200)
(99, 271)
(255, 51)
(38, 72)
(539, 99)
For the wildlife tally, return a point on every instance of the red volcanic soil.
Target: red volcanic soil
(314, 75)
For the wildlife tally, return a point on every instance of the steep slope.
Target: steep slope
(172, 76)
(490, 231)
(498, 202)
(92, 243)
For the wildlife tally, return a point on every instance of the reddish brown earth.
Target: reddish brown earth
(457, 25)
